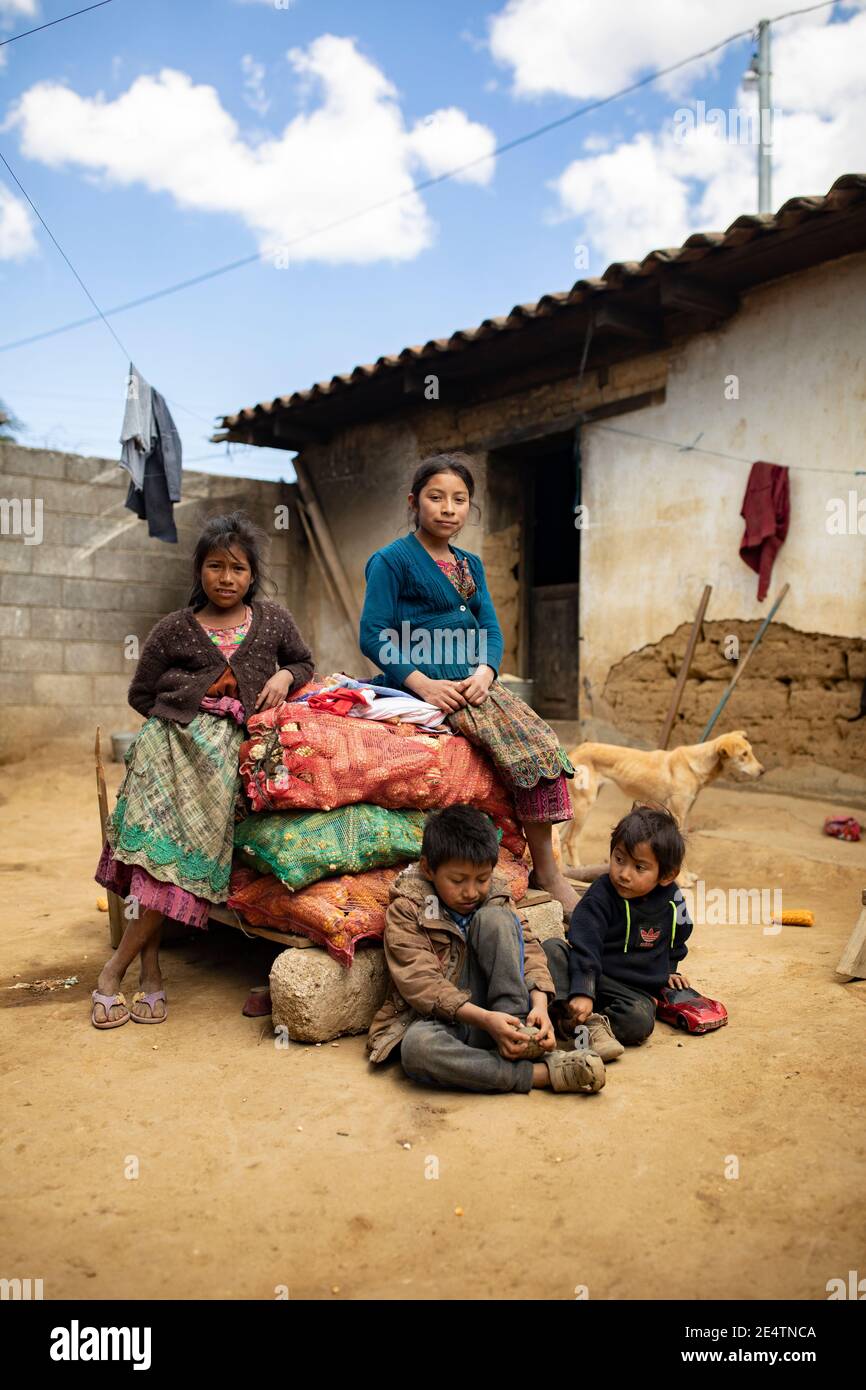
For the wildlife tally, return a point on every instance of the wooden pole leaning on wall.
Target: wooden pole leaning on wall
(684, 669)
(741, 666)
(328, 550)
(115, 904)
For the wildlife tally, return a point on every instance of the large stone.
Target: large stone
(315, 999)
(545, 919)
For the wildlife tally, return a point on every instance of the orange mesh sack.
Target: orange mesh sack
(336, 913)
(304, 759)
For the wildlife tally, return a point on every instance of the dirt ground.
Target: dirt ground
(262, 1167)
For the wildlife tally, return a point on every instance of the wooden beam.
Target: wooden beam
(684, 669)
(286, 428)
(115, 904)
(683, 292)
(331, 558)
(741, 666)
(229, 918)
(630, 323)
(566, 424)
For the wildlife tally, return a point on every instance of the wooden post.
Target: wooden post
(328, 550)
(684, 669)
(115, 904)
(741, 666)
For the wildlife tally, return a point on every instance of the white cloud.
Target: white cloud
(581, 49)
(11, 11)
(254, 85)
(435, 138)
(17, 236)
(652, 189)
(348, 153)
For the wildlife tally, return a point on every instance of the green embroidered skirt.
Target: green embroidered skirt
(175, 811)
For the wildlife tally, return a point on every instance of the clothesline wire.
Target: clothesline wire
(127, 354)
(64, 255)
(415, 188)
(24, 33)
(715, 453)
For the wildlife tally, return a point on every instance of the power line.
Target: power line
(99, 314)
(65, 257)
(413, 188)
(48, 24)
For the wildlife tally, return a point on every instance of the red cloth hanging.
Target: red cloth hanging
(766, 510)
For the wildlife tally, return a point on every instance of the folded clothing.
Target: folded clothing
(340, 701)
(303, 846)
(338, 912)
(303, 759)
(342, 694)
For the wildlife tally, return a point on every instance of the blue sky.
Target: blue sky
(160, 140)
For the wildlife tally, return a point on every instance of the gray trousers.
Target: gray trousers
(631, 1012)
(455, 1054)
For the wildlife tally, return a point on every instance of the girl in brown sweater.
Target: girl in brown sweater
(202, 672)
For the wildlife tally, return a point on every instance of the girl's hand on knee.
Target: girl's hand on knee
(445, 695)
(476, 686)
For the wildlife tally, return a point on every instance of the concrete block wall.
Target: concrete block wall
(69, 603)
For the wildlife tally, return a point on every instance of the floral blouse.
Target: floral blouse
(227, 705)
(459, 573)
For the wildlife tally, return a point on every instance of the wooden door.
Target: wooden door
(553, 627)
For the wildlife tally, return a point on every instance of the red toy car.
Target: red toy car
(685, 1008)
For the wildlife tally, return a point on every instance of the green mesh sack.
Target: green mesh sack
(300, 847)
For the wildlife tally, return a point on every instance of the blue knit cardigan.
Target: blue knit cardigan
(415, 620)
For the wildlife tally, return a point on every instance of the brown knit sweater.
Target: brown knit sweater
(179, 662)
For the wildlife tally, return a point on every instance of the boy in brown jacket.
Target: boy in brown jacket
(469, 981)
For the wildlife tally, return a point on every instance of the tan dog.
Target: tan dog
(673, 777)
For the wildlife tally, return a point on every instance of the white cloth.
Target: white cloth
(406, 708)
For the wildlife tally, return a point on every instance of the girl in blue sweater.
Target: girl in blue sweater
(430, 626)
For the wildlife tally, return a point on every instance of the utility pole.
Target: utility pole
(765, 119)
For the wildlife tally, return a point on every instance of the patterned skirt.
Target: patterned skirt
(169, 840)
(525, 750)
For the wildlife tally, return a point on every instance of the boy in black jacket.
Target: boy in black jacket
(627, 936)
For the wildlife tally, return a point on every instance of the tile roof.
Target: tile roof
(755, 248)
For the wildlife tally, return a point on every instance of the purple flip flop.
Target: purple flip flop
(149, 1000)
(108, 1002)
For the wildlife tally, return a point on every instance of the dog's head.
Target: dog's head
(736, 756)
